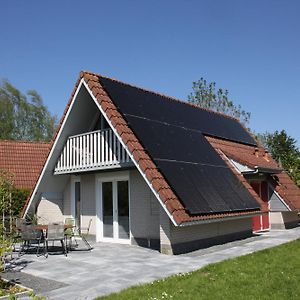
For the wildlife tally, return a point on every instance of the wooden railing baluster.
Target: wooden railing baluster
(93, 150)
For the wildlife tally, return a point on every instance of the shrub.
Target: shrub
(19, 197)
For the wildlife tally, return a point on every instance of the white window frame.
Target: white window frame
(114, 178)
(74, 179)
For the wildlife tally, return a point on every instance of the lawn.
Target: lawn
(269, 274)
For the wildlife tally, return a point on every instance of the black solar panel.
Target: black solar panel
(207, 189)
(171, 133)
(137, 102)
(174, 143)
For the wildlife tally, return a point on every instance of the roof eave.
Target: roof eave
(258, 169)
(223, 219)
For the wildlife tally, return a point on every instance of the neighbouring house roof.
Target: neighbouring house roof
(165, 138)
(23, 159)
(258, 157)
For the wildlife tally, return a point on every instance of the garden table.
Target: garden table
(44, 227)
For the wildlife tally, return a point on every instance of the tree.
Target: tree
(285, 151)
(206, 95)
(24, 117)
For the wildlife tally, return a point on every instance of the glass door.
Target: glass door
(123, 210)
(115, 210)
(107, 207)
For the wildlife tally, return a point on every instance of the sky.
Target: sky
(251, 48)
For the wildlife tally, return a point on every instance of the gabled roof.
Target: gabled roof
(160, 165)
(24, 159)
(249, 155)
(258, 157)
(129, 110)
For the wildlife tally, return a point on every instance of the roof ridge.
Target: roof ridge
(161, 95)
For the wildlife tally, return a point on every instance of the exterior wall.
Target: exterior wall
(144, 212)
(165, 232)
(67, 201)
(87, 197)
(284, 220)
(276, 203)
(50, 208)
(176, 240)
(144, 208)
(87, 200)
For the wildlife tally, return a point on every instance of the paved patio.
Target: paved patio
(112, 267)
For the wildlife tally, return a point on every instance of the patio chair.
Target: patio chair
(16, 234)
(31, 236)
(86, 229)
(56, 232)
(70, 232)
(75, 232)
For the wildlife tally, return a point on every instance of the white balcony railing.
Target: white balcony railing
(92, 151)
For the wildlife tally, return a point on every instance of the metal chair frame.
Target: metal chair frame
(56, 232)
(76, 232)
(70, 232)
(29, 236)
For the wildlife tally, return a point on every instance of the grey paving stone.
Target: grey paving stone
(38, 284)
(112, 267)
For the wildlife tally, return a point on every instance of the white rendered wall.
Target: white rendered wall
(171, 235)
(88, 204)
(49, 209)
(144, 209)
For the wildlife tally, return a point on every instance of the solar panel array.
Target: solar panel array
(137, 102)
(172, 133)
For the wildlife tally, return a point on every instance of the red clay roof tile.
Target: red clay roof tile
(248, 155)
(287, 189)
(24, 159)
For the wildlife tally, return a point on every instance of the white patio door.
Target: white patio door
(114, 210)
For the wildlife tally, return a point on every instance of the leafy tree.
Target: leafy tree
(6, 185)
(24, 117)
(284, 150)
(206, 95)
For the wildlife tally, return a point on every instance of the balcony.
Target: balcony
(91, 151)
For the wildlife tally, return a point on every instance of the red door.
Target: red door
(261, 222)
(256, 221)
(265, 197)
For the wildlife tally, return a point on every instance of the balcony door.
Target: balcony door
(113, 212)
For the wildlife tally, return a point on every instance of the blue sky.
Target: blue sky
(252, 48)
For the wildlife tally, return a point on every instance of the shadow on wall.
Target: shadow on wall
(290, 219)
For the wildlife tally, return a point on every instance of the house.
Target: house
(24, 160)
(154, 171)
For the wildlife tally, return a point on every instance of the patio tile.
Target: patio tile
(111, 267)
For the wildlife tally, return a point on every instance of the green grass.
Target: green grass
(269, 274)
